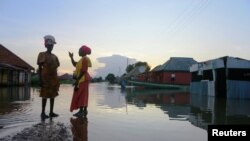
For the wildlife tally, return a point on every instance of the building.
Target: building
(227, 77)
(13, 69)
(174, 71)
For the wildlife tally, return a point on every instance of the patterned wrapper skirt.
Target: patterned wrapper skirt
(80, 97)
(50, 88)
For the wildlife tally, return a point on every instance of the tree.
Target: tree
(110, 78)
(143, 64)
(129, 68)
(137, 64)
(96, 79)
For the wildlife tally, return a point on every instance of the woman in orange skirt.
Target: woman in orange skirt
(82, 79)
(47, 66)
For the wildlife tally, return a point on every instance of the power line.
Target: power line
(186, 17)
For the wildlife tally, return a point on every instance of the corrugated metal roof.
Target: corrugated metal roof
(8, 57)
(177, 64)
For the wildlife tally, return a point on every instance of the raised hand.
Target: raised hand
(71, 55)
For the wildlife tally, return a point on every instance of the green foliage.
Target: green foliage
(110, 78)
(34, 81)
(129, 68)
(96, 79)
(67, 81)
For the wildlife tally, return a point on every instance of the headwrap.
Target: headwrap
(85, 49)
(49, 40)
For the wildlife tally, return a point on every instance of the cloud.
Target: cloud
(115, 64)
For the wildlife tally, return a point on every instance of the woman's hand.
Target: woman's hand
(76, 88)
(71, 54)
(76, 85)
(72, 59)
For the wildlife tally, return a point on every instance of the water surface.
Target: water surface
(120, 115)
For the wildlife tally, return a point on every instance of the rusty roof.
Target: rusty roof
(8, 57)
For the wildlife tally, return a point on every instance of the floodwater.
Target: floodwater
(120, 115)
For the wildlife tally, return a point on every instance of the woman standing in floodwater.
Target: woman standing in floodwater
(82, 79)
(47, 66)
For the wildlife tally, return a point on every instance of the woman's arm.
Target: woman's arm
(40, 61)
(77, 81)
(82, 72)
(40, 75)
(72, 59)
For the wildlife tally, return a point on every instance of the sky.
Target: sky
(144, 30)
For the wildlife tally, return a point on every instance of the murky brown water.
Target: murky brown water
(133, 114)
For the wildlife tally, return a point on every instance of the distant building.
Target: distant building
(13, 69)
(174, 71)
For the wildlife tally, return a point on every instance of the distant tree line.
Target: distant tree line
(97, 79)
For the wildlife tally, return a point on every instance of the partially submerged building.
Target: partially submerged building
(222, 77)
(173, 74)
(13, 69)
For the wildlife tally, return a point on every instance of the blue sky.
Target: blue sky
(146, 30)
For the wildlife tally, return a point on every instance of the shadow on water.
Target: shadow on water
(199, 110)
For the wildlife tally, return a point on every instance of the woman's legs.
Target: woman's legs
(79, 112)
(44, 101)
(82, 112)
(85, 112)
(43, 115)
(81, 109)
(52, 114)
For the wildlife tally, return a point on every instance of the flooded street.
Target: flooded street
(115, 115)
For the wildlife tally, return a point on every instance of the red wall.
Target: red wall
(182, 78)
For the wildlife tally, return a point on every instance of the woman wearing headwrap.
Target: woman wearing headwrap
(47, 67)
(82, 79)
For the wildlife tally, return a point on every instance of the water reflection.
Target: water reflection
(14, 93)
(111, 97)
(79, 128)
(8, 95)
(14, 105)
(210, 110)
(174, 103)
(114, 111)
(199, 110)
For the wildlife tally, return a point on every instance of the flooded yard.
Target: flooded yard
(115, 115)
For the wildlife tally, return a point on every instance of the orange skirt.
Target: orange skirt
(50, 88)
(80, 97)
